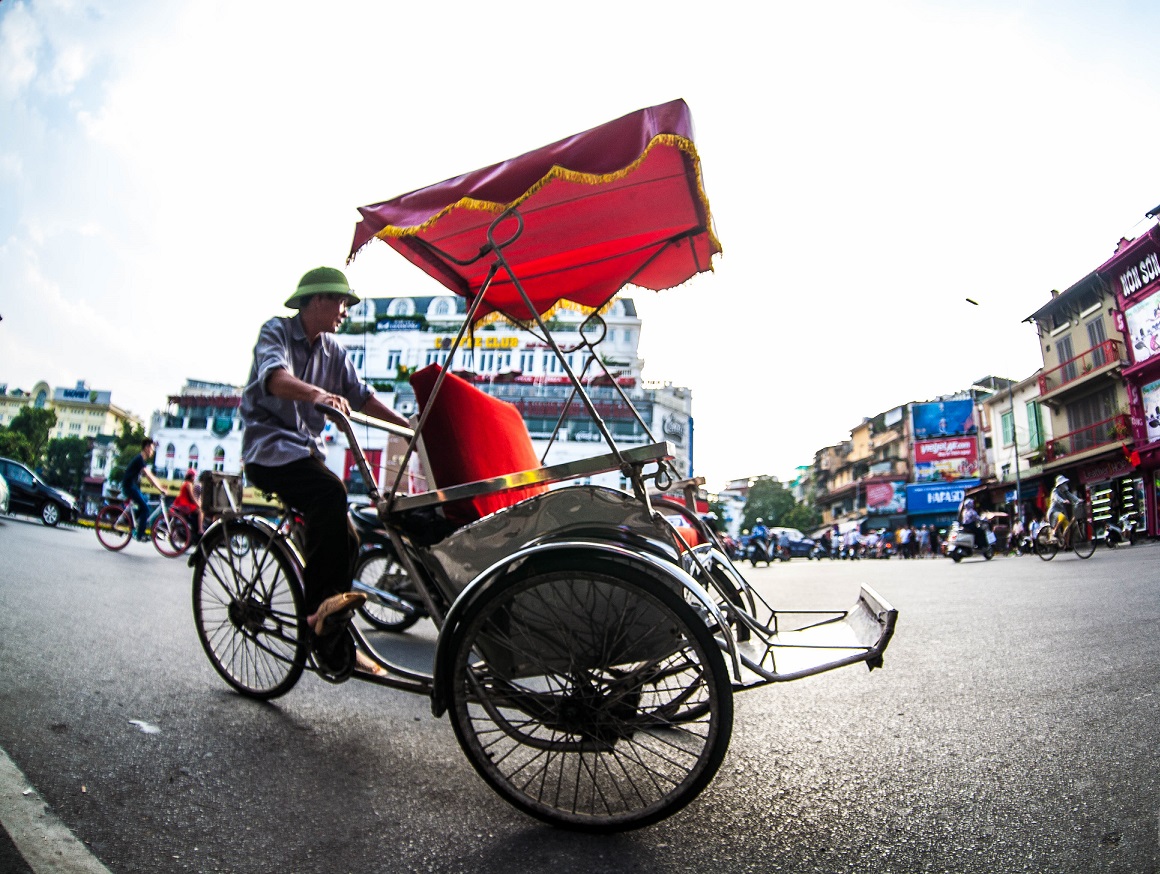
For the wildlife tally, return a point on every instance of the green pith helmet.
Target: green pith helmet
(321, 280)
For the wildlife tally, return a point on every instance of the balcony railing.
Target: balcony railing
(1111, 430)
(1101, 355)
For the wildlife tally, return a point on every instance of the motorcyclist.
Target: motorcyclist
(970, 521)
(760, 535)
(1059, 510)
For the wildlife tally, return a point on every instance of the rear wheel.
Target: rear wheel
(590, 695)
(1083, 543)
(114, 527)
(50, 513)
(1045, 547)
(171, 537)
(249, 610)
(380, 570)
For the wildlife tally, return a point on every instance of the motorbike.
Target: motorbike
(1023, 544)
(1122, 532)
(961, 544)
(761, 549)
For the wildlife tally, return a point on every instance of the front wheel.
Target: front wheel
(114, 527)
(988, 553)
(171, 537)
(590, 695)
(1045, 547)
(1082, 542)
(249, 610)
(956, 555)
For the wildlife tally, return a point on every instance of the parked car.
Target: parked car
(29, 494)
(800, 546)
(3, 495)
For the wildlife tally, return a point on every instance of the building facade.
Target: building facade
(1017, 436)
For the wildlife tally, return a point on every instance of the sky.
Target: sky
(169, 169)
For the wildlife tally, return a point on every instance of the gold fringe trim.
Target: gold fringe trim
(571, 305)
(575, 176)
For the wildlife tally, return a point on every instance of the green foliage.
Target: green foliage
(769, 500)
(128, 445)
(67, 463)
(34, 425)
(803, 517)
(15, 446)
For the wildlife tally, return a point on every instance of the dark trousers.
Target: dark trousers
(320, 497)
(133, 491)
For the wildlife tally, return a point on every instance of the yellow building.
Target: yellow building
(80, 411)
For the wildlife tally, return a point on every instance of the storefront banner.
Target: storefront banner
(1103, 471)
(1143, 321)
(937, 497)
(1136, 270)
(1150, 400)
(943, 419)
(886, 498)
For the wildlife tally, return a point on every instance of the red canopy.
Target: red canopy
(623, 202)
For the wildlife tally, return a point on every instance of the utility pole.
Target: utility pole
(1015, 441)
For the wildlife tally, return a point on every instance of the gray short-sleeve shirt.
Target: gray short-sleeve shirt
(278, 431)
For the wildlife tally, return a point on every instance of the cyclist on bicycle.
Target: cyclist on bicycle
(131, 489)
(187, 505)
(1059, 510)
(298, 363)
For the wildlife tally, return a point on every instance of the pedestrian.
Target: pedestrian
(297, 364)
(935, 541)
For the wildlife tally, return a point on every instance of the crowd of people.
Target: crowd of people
(909, 541)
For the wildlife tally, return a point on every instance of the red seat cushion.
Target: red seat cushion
(470, 436)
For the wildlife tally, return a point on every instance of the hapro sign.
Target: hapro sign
(937, 497)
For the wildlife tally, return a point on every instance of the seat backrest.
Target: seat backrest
(471, 436)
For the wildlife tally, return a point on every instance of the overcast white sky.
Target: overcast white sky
(169, 168)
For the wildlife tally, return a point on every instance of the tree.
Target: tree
(803, 517)
(13, 445)
(769, 500)
(67, 462)
(34, 425)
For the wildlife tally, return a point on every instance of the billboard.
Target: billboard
(946, 459)
(886, 498)
(937, 497)
(1150, 394)
(943, 419)
(1144, 328)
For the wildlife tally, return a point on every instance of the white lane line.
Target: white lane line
(42, 839)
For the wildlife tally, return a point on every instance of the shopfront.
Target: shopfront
(936, 503)
(1134, 487)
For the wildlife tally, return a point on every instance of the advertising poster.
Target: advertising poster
(1151, 401)
(943, 419)
(937, 497)
(1144, 328)
(886, 498)
(943, 460)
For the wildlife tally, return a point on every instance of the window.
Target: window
(219, 460)
(402, 306)
(1034, 425)
(394, 359)
(1008, 420)
(193, 457)
(1064, 354)
(1087, 420)
(1096, 336)
(443, 307)
(357, 358)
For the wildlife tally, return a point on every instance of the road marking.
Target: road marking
(42, 839)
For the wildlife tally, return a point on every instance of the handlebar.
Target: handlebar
(343, 422)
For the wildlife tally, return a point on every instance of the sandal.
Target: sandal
(335, 612)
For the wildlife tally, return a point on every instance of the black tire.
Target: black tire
(249, 611)
(1083, 543)
(379, 569)
(171, 538)
(1045, 547)
(988, 553)
(50, 513)
(956, 555)
(114, 527)
(590, 695)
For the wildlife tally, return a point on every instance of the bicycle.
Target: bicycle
(1077, 536)
(116, 523)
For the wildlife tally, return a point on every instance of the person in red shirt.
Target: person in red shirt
(188, 506)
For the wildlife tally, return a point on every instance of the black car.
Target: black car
(28, 493)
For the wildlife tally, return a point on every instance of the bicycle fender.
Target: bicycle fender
(495, 576)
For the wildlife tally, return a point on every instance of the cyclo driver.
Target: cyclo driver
(298, 363)
(1062, 500)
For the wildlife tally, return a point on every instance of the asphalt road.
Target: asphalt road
(1013, 728)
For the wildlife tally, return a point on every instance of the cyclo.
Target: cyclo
(587, 651)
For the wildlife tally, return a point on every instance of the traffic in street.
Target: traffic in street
(1012, 727)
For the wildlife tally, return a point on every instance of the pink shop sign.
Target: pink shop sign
(1103, 471)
